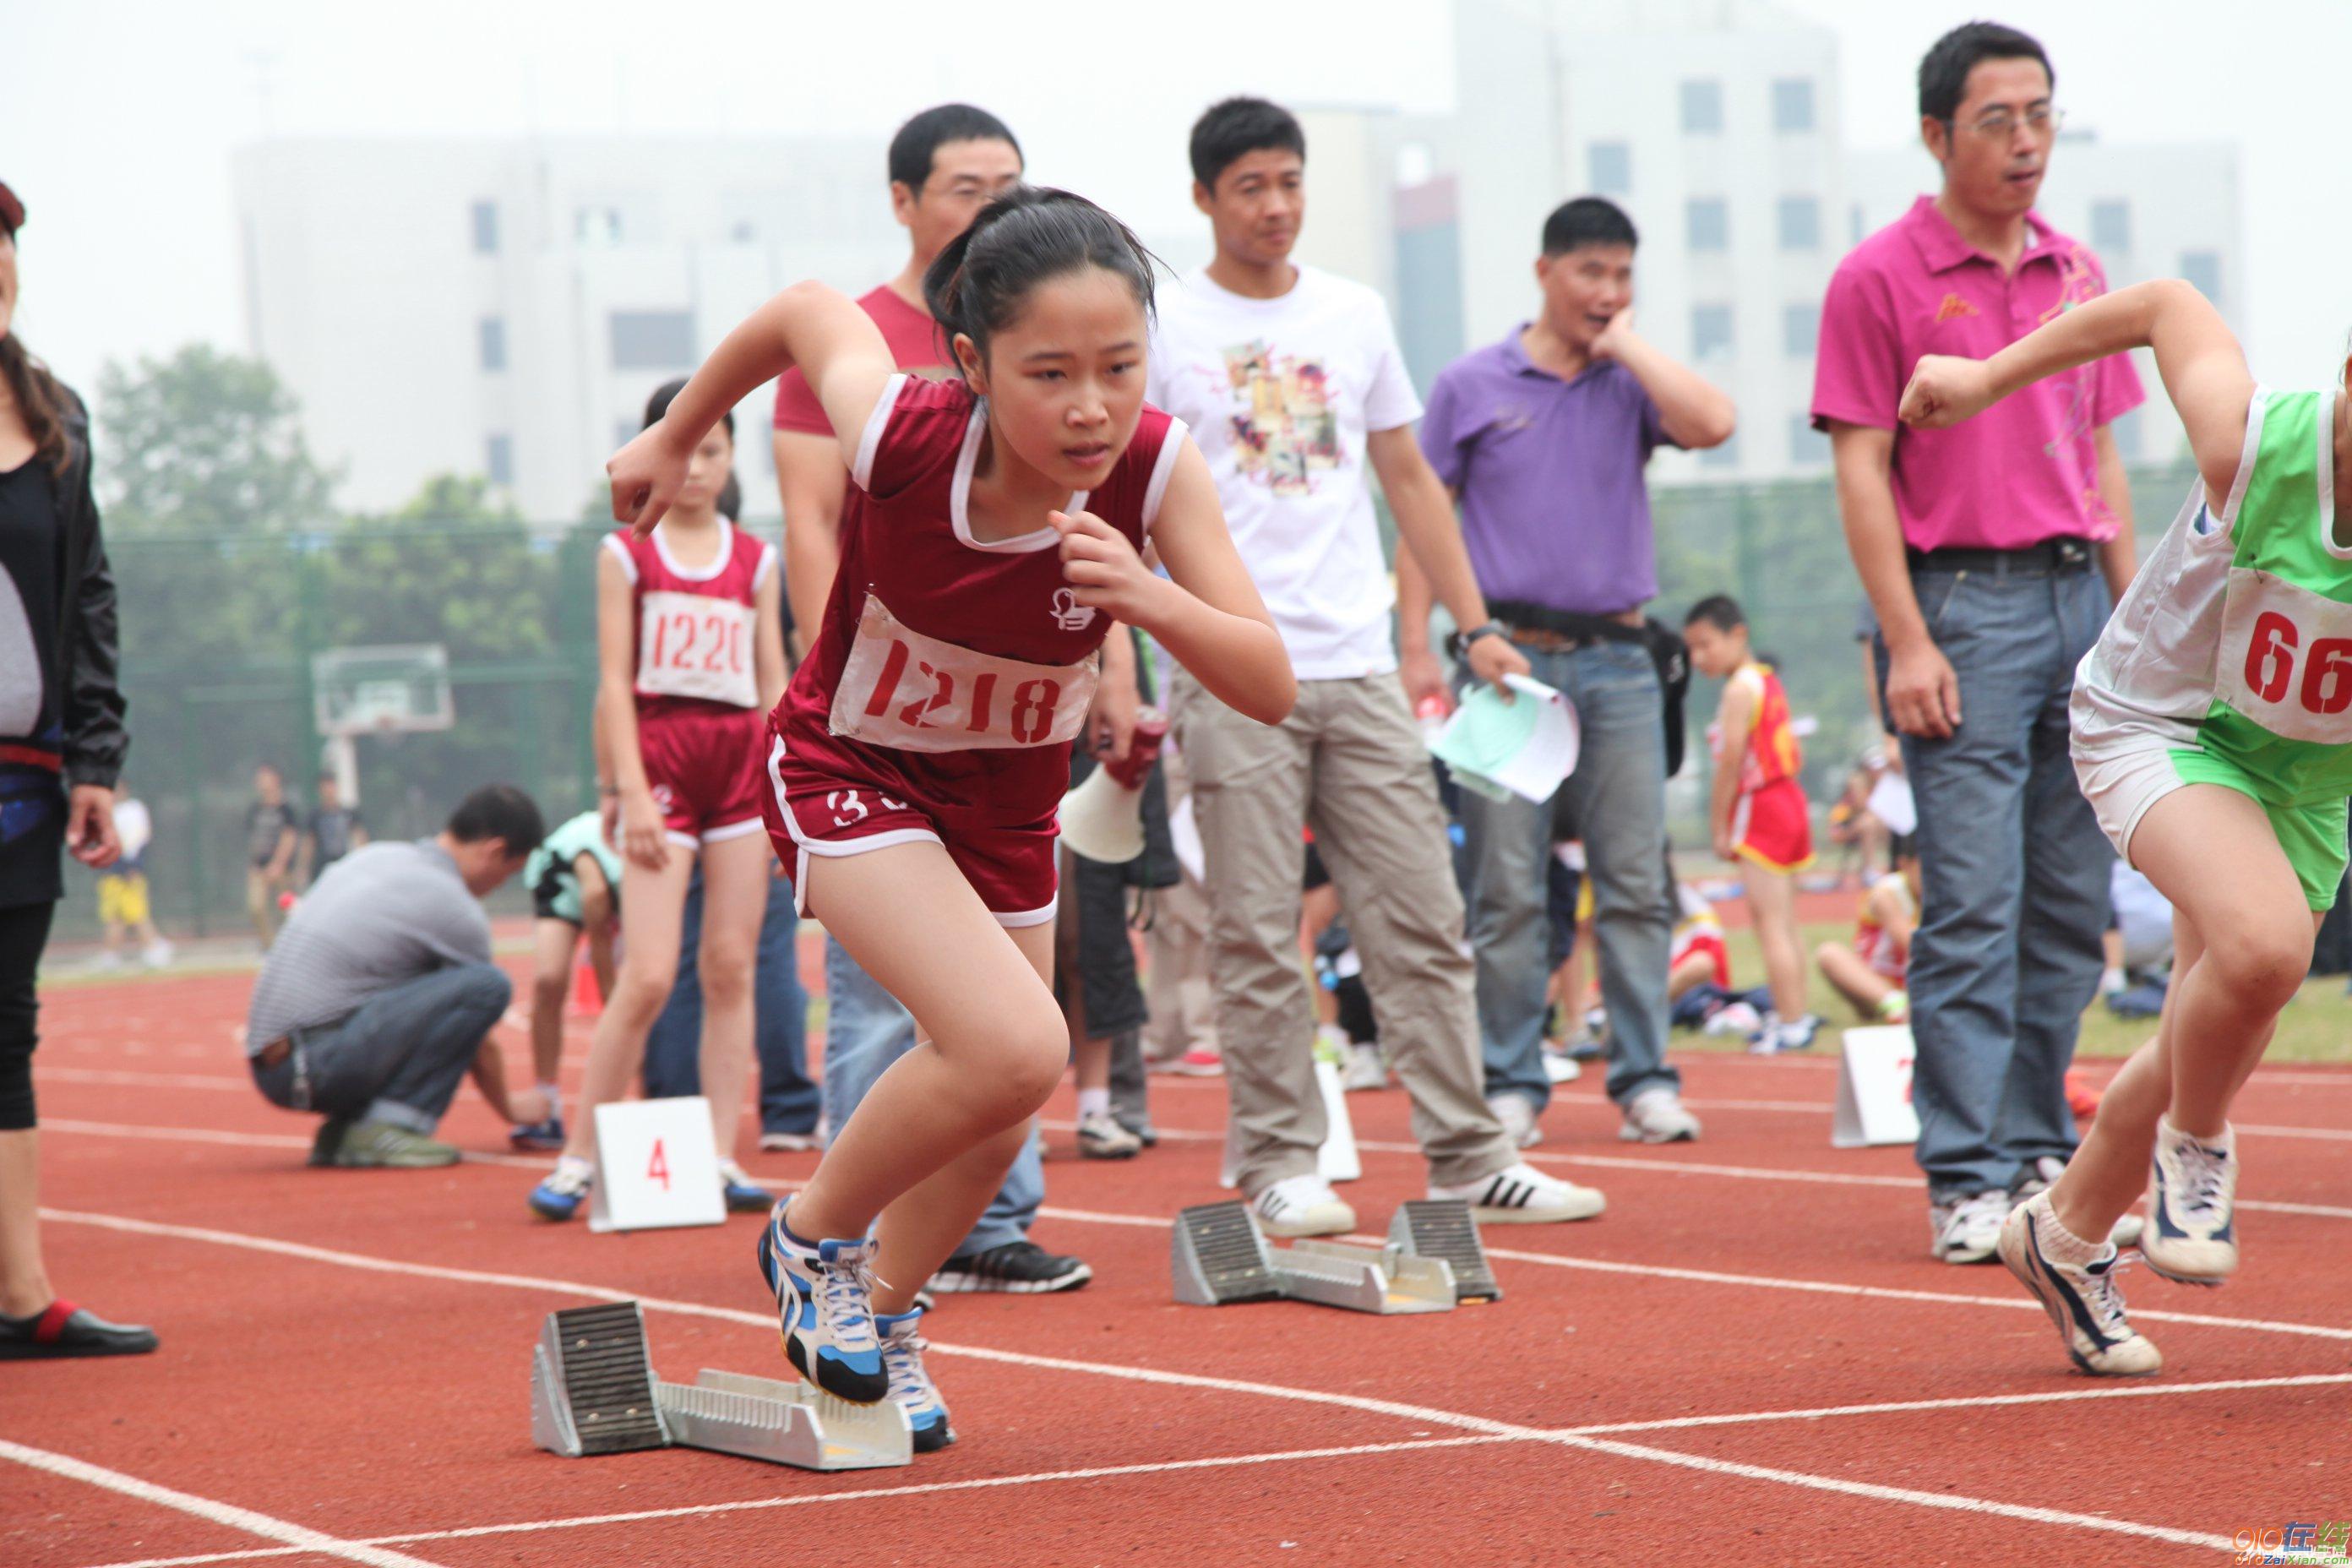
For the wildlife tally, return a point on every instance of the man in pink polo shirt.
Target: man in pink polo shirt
(1992, 553)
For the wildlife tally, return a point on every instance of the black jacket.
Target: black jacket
(88, 650)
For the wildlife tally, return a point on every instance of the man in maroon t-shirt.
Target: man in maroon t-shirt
(946, 163)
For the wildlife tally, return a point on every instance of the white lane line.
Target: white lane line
(266, 1141)
(1810, 1107)
(1678, 1167)
(1900, 1494)
(1426, 1414)
(144, 1080)
(300, 1538)
(1885, 1293)
(698, 1510)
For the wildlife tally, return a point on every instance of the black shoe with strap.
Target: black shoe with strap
(64, 1329)
(1018, 1267)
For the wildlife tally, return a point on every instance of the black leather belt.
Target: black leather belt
(2066, 554)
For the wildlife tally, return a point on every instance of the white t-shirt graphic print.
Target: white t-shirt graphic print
(1280, 395)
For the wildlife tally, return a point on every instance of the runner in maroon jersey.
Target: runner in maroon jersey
(993, 536)
(690, 650)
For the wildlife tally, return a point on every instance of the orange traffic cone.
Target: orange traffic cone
(587, 997)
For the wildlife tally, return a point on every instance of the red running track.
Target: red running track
(1751, 1359)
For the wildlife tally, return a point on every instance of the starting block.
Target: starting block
(593, 1391)
(1433, 1261)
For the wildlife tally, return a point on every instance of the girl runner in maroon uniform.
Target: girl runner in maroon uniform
(992, 537)
(691, 653)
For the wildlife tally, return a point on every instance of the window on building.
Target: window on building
(1724, 456)
(1703, 108)
(1709, 220)
(1800, 223)
(2111, 228)
(2203, 269)
(493, 343)
(1710, 330)
(486, 228)
(596, 226)
(1609, 166)
(652, 340)
(1808, 447)
(1801, 330)
(497, 458)
(1793, 104)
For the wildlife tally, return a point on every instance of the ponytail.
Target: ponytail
(1027, 235)
(40, 399)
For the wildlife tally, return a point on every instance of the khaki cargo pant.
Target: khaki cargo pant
(1349, 763)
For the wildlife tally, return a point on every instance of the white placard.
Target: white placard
(656, 1165)
(1874, 1093)
(1891, 802)
(1337, 1160)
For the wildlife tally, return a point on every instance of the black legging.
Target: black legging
(24, 933)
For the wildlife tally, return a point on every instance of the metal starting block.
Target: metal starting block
(1432, 1261)
(593, 1391)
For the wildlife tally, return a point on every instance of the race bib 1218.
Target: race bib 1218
(915, 693)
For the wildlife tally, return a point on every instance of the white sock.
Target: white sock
(554, 1099)
(2062, 1246)
(574, 1165)
(1093, 1102)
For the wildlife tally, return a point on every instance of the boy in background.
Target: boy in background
(575, 877)
(123, 902)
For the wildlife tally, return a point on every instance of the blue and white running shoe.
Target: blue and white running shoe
(537, 1137)
(560, 1196)
(743, 1194)
(2080, 1296)
(828, 1318)
(911, 1388)
(2192, 1237)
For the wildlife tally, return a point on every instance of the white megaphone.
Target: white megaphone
(1102, 819)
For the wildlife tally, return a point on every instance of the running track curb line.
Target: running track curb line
(301, 1538)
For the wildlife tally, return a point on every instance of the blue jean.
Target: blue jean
(788, 1100)
(400, 1055)
(866, 1030)
(1615, 800)
(2014, 872)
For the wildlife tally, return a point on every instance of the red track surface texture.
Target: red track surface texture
(1751, 1359)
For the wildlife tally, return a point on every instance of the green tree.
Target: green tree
(207, 445)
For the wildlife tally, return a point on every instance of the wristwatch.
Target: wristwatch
(1457, 643)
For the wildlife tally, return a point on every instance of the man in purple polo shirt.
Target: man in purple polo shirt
(1992, 553)
(1542, 439)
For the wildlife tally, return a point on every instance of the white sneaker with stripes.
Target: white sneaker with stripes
(1303, 1206)
(1521, 1195)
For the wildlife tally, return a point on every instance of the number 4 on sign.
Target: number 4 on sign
(656, 1165)
(1874, 1093)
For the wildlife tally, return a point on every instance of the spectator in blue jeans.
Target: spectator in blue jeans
(788, 1100)
(1992, 553)
(1542, 439)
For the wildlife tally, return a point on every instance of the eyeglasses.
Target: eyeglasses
(2000, 125)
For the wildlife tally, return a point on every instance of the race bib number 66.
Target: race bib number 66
(915, 693)
(2286, 658)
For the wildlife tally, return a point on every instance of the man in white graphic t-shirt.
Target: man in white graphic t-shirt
(1291, 382)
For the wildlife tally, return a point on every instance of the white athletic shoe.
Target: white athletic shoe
(1303, 1206)
(1521, 1195)
(1100, 1137)
(1657, 1116)
(158, 954)
(2126, 1231)
(1518, 1119)
(1559, 1065)
(789, 1142)
(2081, 1297)
(1366, 1070)
(1734, 1018)
(2192, 1237)
(1968, 1229)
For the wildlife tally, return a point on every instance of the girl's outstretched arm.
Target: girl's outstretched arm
(819, 330)
(2203, 368)
(1209, 618)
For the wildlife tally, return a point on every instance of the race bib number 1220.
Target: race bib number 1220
(915, 693)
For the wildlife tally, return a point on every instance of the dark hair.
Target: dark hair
(1025, 238)
(500, 811)
(1944, 69)
(1902, 847)
(1587, 220)
(731, 494)
(38, 396)
(918, 141)
(1720, 611)
(1234, 128)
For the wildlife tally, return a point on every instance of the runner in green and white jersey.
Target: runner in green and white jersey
(2212, 734)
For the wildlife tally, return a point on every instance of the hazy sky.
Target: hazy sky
(119, 115)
